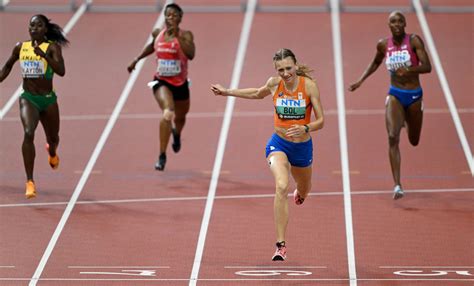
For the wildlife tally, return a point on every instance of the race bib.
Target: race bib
(169, 67)
(398, 59)
(290, 108)
(32, 69)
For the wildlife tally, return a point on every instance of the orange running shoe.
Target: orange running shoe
(30, 190)
(53, 161)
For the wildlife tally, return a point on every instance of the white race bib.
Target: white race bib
(169, 67)
(290, 108)
(32, 69)
(397, 59)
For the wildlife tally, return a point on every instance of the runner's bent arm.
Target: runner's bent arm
(313, 90)
(54, 57)
(5, 71)
(186, 41)
(147, 50)
(297, 130)
(425, 64)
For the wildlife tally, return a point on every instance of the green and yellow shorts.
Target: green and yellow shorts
(41, 102)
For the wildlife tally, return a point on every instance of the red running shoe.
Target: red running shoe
(280, 252)
(297, 198)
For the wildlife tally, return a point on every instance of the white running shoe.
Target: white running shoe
(398, 192)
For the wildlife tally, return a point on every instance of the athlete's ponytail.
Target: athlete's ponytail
(303, 70)
(55, 32)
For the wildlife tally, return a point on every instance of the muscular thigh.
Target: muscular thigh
(50, 119)
(394, 115)
(279, 166)
(181, 107)
(164, 97)
(302, 174)
(29, 114)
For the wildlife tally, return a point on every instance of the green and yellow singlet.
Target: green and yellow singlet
(32, 65)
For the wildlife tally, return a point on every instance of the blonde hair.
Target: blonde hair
(303, 70)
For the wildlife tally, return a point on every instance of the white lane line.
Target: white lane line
(336, 36)
(66, 30)
(7, 266)
(429, 267)
(90, 165)
(263, 113)
(444, 84)
(179, 199)
(114, 267)
(271, 267)
(238, 65)
(243, 279)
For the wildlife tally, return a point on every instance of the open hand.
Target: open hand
(218, 89)
(295, 131)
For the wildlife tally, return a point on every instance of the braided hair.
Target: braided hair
(303, 70)
(54, 31)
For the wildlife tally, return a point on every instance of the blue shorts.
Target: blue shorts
(299, 154)
(406, 97)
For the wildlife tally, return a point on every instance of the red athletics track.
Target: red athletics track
(154, 233)
(425, 231)
(316, 233)
(149, 233)
(25, 227)
(88, 90)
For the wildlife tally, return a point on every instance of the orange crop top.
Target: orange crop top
(292, 107)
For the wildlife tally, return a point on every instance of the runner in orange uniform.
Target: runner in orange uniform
(290, 148)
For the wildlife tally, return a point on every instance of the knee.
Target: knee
(393, 139)
(29, 134)
(168, 114)
(282, 189)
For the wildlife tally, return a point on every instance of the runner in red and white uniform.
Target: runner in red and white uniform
(173, 48)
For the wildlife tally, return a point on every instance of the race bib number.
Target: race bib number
(398, 59)
(169, 67)
(290, 108)
(32, 69)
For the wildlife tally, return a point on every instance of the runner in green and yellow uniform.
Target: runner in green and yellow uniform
(40, 58)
